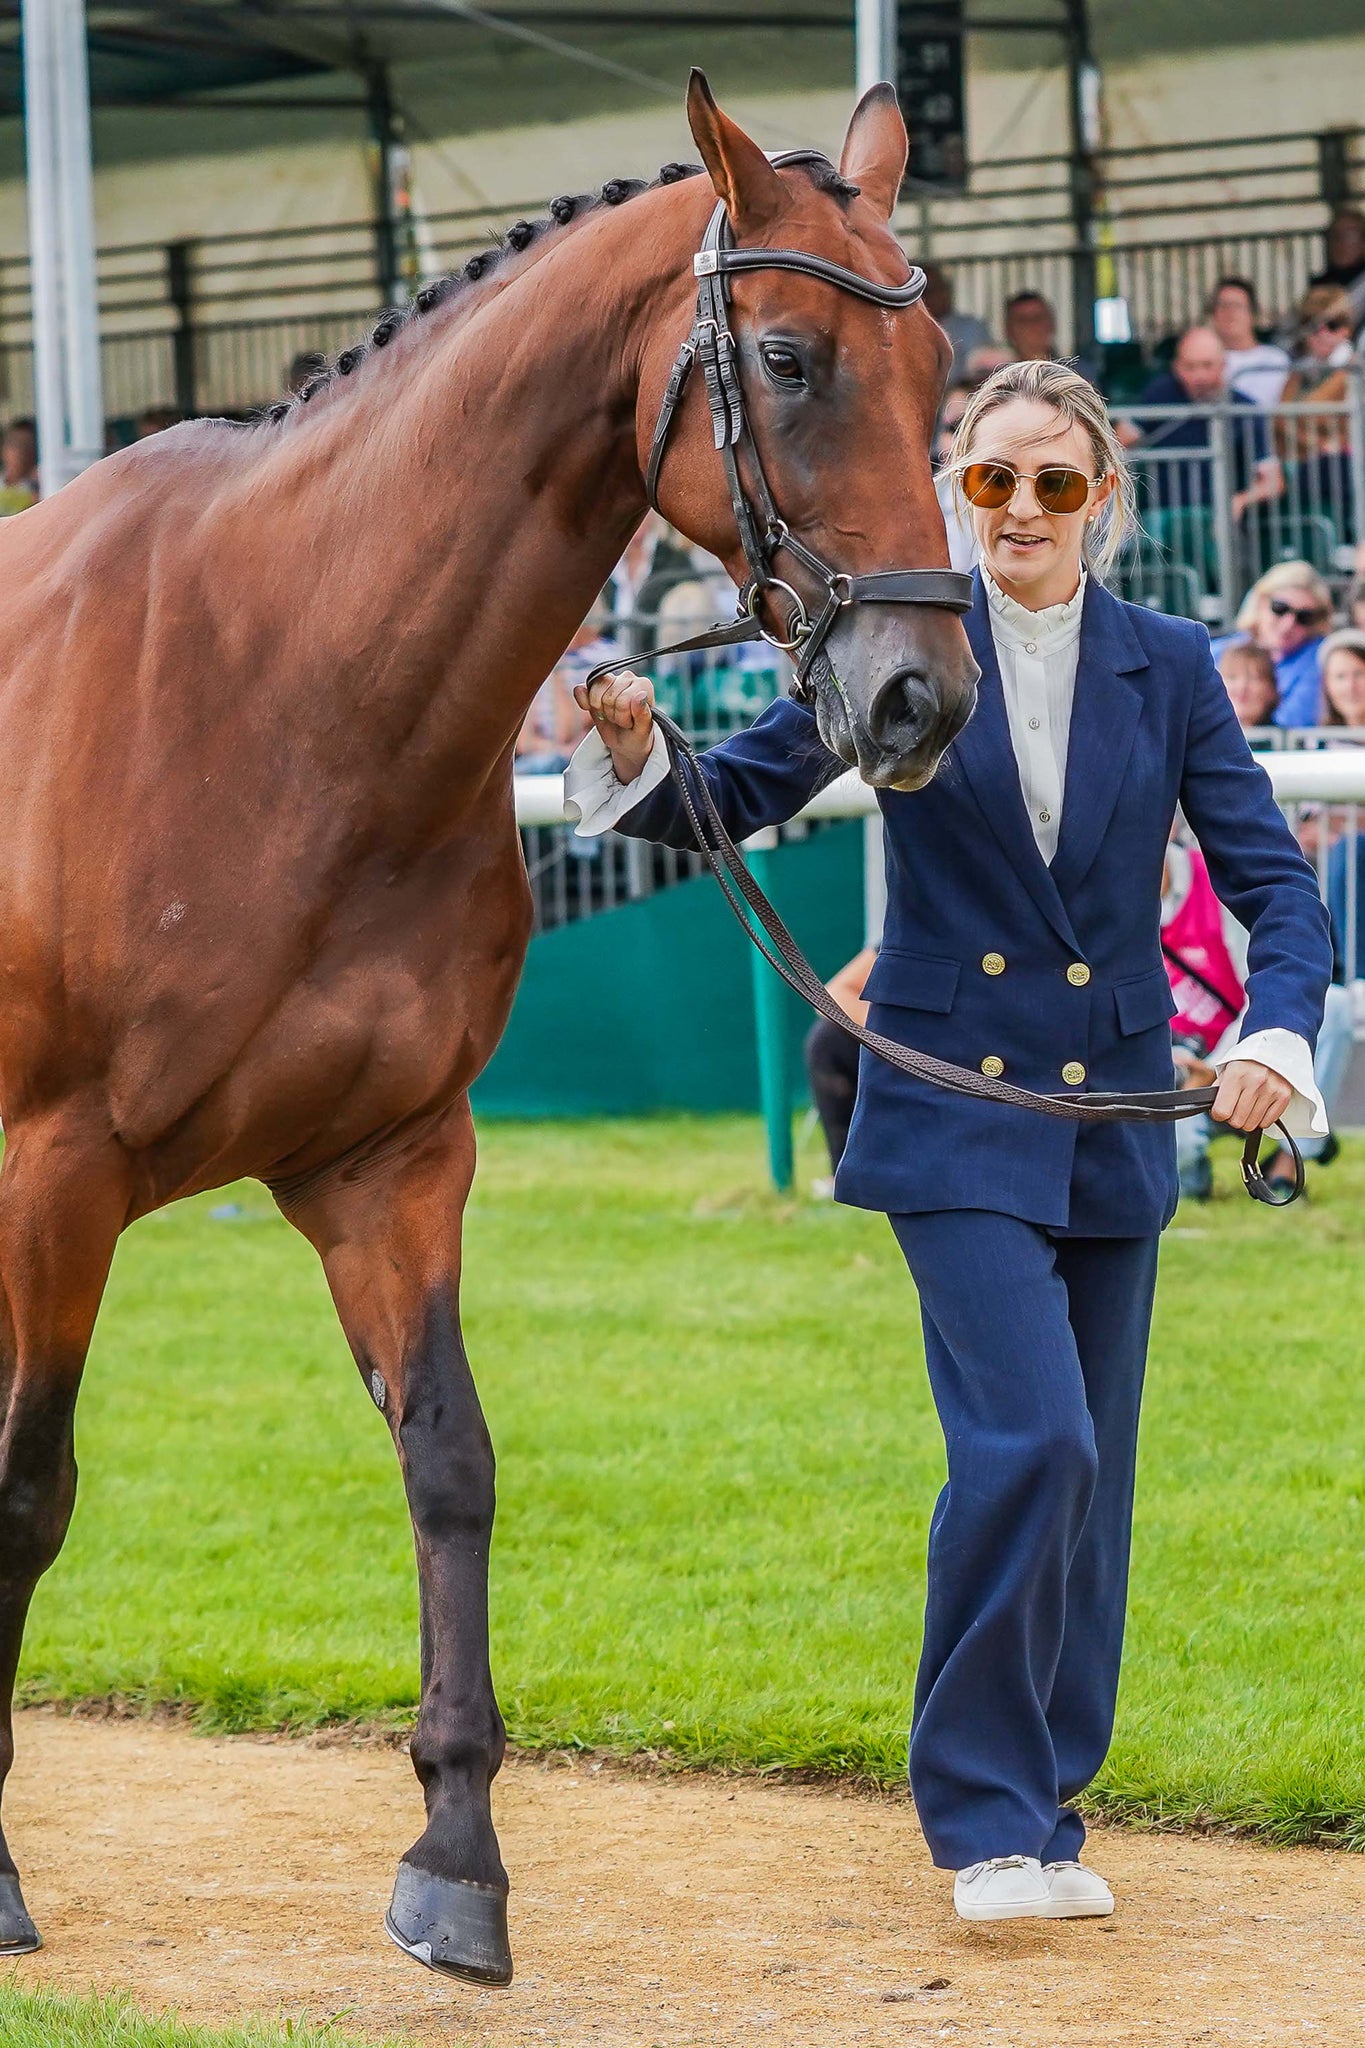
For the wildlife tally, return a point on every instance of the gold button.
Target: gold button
(993, 963)
(1073, 1073)
(992, 1066)
(1078, 974)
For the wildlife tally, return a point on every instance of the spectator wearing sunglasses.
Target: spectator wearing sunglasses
(1346, 259)
(1197, 378)
(1287, 611)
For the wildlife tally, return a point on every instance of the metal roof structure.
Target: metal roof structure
(302, 56)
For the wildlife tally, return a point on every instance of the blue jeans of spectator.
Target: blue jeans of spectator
(1330, 1064)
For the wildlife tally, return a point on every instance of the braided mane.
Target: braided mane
(519, 237)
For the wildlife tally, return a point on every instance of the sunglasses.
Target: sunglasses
(1282, 609)
(992, 485)
(1340, 325)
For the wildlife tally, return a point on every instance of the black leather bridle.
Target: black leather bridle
(764, 535)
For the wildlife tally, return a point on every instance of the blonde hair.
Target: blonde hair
(1080, 405)
(1283, 576)
(1322, 302)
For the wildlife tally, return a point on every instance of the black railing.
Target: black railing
(210, 324)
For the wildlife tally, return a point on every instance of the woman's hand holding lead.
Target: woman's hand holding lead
(621, 709)
(1250, 1097)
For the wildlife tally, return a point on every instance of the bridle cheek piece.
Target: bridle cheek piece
(763, 533)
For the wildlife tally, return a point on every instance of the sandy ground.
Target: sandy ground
(246, 1876)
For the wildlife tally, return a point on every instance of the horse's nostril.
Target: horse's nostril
(903, 711)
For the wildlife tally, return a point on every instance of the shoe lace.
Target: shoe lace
(994, 1863)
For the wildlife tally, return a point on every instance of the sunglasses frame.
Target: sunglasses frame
(1283, 610)
(1063, 469)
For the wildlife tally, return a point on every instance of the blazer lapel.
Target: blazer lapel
(1104, 721)
(986, 755)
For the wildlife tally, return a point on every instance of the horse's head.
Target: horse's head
(840, 396)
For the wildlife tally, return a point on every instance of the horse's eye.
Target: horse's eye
(783, 366)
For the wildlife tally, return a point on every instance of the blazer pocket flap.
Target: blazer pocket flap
(913, 981)
(1143, 1002)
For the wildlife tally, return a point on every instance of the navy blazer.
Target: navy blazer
(1151, 727)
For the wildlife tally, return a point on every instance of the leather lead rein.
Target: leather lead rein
(764, 535)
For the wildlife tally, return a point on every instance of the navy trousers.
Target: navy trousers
(1036, 1345)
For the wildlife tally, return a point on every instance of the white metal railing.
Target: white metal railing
(1316, 777)
(1302, 778)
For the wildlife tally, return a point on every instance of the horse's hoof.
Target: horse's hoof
(451, 1925)
(18, 1935)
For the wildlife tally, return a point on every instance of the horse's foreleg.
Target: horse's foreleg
(390, 1244)
(62, 1205)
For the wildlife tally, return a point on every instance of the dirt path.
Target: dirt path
(227, 1877)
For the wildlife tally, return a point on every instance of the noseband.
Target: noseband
(764, 535)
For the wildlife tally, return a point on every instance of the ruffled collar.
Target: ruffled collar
(1045, 632)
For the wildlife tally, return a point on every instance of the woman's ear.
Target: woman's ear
(745, 182)
(876, 147)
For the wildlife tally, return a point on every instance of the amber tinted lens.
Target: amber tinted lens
(989, 484)
(1061, 490)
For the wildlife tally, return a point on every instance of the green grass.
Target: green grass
(717, 1463)
(45, 2019)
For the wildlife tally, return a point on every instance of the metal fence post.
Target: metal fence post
(1224, 528)
(770, 1032)
(180, 292)
(1355, 434)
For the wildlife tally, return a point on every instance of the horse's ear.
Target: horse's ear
(752, 192)
(876, 147)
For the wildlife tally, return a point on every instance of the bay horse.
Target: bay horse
(262, 903)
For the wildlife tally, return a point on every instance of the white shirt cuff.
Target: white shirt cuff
(1289, 1056)
(595, 797)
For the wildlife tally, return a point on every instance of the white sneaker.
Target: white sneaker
(1005, 1888)
(1075, 1893)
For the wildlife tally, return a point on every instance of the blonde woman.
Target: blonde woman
(1286, 612)
(1022, 936)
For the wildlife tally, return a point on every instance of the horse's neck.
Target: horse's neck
(474, 496)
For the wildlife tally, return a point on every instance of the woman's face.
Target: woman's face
(1034, 555)
(1252, 697)
(1328, 335)
(1287, 619)
(1232, 319)
(1343, 683)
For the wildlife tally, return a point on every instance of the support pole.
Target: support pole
(66, 345)
(875, 36)
(384, 133)
(180, 292)
(44, 239)
(770, 1032)
(1083, 95)
(80, 292)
